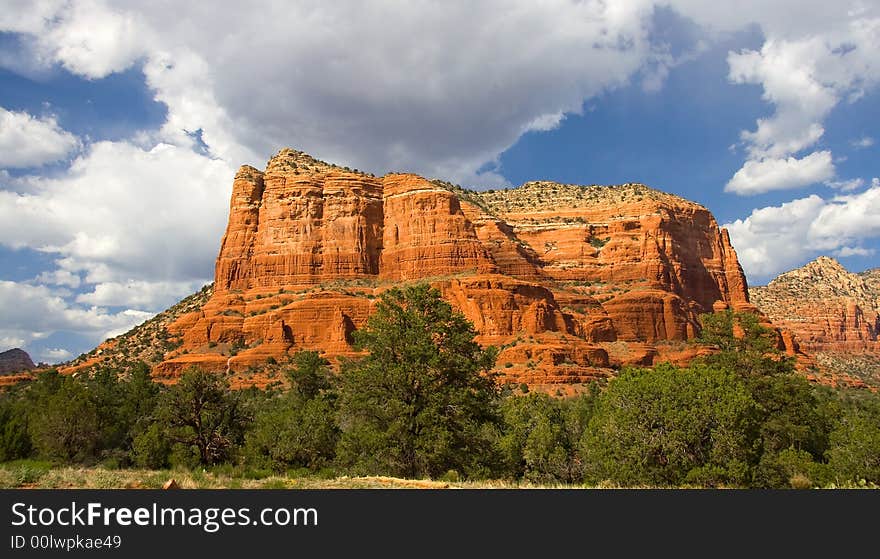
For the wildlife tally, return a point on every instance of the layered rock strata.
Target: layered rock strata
(569, 281)
(833, 315)
(826, 307)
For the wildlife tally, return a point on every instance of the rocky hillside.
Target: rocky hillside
(833, 314)
(147, 342)
(825, 306)
(570, 281)
(15, 361)
(872, 279)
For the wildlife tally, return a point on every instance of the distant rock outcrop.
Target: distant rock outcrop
(15, 361)
(833, 314)
(825, 306)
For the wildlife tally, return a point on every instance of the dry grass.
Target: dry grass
(36, 475)
(29, 474)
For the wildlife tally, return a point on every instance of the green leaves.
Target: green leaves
(417, 404)
(657, 427)
(67, 427)
(200, 412)
(293, 432)
(310, 374)
(541, 435)
(854, 452)
(297, 429)
(745, 347)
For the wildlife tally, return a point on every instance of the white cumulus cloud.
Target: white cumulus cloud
(93, 38)
(28, 141)
(141, 294)
(31, 312)
(437, 88)
(9, 342)
(847, 185)
(55, 355)
(805, 68)
(776, 238)
(863, 142)
(845, 252)
(124, 213)
(769, 174)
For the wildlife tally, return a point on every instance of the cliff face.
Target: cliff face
(568, 280)
(15, 361)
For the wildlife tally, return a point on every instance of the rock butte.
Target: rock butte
(15, 361)
(568, 280)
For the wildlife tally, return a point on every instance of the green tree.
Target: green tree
(578, 412)
(293, 432)
(790, 419)
(145, 440)
(745, 346)
(419, 402)
(200, 412)
(297, 429)
(309, 375)
(107, 398)
(854, 452)
(150, 448)
(537, 444)
(139, 397)
(15, 441)
(65, 424)
(669, 426)
(789, 412)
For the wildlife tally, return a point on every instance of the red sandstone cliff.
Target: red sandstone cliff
(568, 280)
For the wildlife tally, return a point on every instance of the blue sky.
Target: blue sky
(122, 126)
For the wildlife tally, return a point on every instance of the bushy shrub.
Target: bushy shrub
(539, 439)
(854, 453)
(656, 427)
(291, 432)
(66, 427)
(150, 448)
(15, 441)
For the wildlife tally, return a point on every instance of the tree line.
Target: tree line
(424, 403)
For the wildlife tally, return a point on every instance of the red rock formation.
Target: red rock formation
(426, 233)
(824, 306)
(832, 314)
(567, 280)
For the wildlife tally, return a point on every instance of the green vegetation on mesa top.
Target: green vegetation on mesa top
(424, 404)
(547, 195)
(288, 159)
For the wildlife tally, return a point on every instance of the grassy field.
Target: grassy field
(31, 474)
(34, 474)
